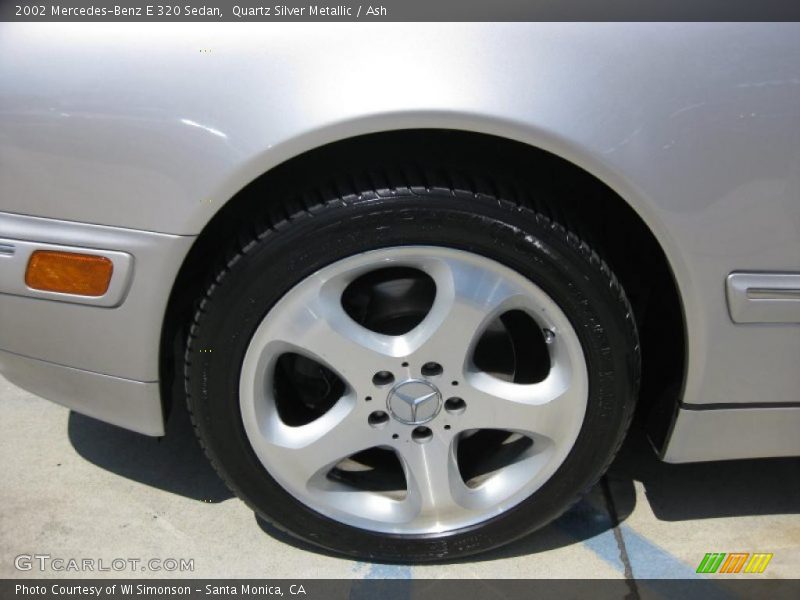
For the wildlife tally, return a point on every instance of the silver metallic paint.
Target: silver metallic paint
(694, 125)
(731, 433)
(122, 341)
(135, 405)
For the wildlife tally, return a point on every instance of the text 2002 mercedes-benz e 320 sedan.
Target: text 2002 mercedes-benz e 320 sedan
(412, 281)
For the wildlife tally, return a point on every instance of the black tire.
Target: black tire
(314, 234)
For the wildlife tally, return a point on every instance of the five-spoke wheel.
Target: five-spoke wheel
(412, 374)
(418, 393)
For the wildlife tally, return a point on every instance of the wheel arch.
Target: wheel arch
(598, 203)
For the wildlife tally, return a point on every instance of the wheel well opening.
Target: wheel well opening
(503, 167)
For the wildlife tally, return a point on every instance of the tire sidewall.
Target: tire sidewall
(258, 276)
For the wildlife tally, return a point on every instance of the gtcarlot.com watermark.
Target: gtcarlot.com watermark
(59, 564)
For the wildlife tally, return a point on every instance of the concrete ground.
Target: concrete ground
(73, 487)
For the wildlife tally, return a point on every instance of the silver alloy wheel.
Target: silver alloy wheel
(471, 291)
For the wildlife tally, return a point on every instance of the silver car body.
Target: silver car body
(129, 138)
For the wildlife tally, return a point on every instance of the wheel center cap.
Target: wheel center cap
(414, 401)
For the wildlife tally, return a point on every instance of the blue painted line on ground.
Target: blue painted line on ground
(651, 562)
(391, 591)
(377, 571)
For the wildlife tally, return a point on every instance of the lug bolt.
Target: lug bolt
(431, 369)
(455, 406)
(382, 378)
(378, 419)
(421, 435)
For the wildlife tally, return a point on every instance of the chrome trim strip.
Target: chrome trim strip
(764, 297)
(12, 273)
(772, 294)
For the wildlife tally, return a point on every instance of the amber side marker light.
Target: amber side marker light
(69, 273)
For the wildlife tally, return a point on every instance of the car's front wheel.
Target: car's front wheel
(412, 374)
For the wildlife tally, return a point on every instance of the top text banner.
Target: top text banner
(400, 10)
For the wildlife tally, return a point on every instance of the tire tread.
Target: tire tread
(378, 184)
